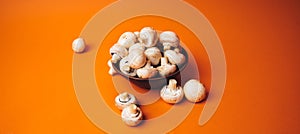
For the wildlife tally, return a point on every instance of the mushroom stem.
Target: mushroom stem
(164, 61)
(124, 96)
(172, 84)
(115, 58)
(133, 109)
(166, 46)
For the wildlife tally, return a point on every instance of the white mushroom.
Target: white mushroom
(138, 46)
(137, 34)
(117, 52)
(153, 54)
(125, 99)
(165, 68)
(125, 67)
(127, 39)
(78, 45)
(172, 93)
(111, 71)
(137, 59)
(194, 91)
(132, 115)
(147, 71)
(169, 39)
(148, 37)
(174, 57)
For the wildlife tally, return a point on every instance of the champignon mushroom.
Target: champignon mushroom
(168, 39)
(78, 45)
(148, 37)
(124, 99)
(153, 54)
(138, 46)
(194, 91)
(117, 52)
(172, 93)
(147, 71)
(111, 71)
(132, 115)
(174, 57)
(125, 67)
(165, 68)
(127, 39)
(137, 58)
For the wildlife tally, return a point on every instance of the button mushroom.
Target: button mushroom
(137, 59)
(174, 57)
(125, 67)
(138, 46)
(117, 52)
(78, 45)
(165, 68)
(147, 71)
(125, 99)
(169, 39)
(172, 93)
(194, 91)
(148, 37)
(153, 54)
(111, 71)
(127, 39)
(132, 115)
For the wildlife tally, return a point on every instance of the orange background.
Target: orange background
(260, 41)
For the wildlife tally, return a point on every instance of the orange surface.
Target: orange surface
(260, 41)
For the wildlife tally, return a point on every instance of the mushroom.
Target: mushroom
(137, 34)
(172, 93)
(138, 46)
(169, 39)
(111, 71)
(78, 45)
(132, 115)
(127, 39)
(153, 54)
(147, 71)
(117, 52)
(174, 57)
(165, 68)
(148, 37)
(137, 58)
(124, 99)
(125, 67)
(194, 91)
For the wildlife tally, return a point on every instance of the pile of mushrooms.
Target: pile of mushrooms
(146, 53)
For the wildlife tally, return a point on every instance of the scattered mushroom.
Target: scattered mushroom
(125, 99)
(127, 39)
(168, 39)
(125, 67)
(194, 91)
(132, 115)
(111, 71)
(174, 57)
(137, 59)
(147, 71)
(78, 45)
(165, 68)
(117, 52)
(148, 37)
(153, 54)
(172, 93)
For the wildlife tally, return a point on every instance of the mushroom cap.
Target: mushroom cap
(125, 68)
(119, 50)
(153, 54)
(121, 103)
(174, 57)
(78, 45)
(136, 47)
(169, 38)
(170, 95)
(127, 39)
(148, 37)
(194, 91)
(130, 118)
(137, 59)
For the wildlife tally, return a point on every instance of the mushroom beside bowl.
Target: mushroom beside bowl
(158, 81)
